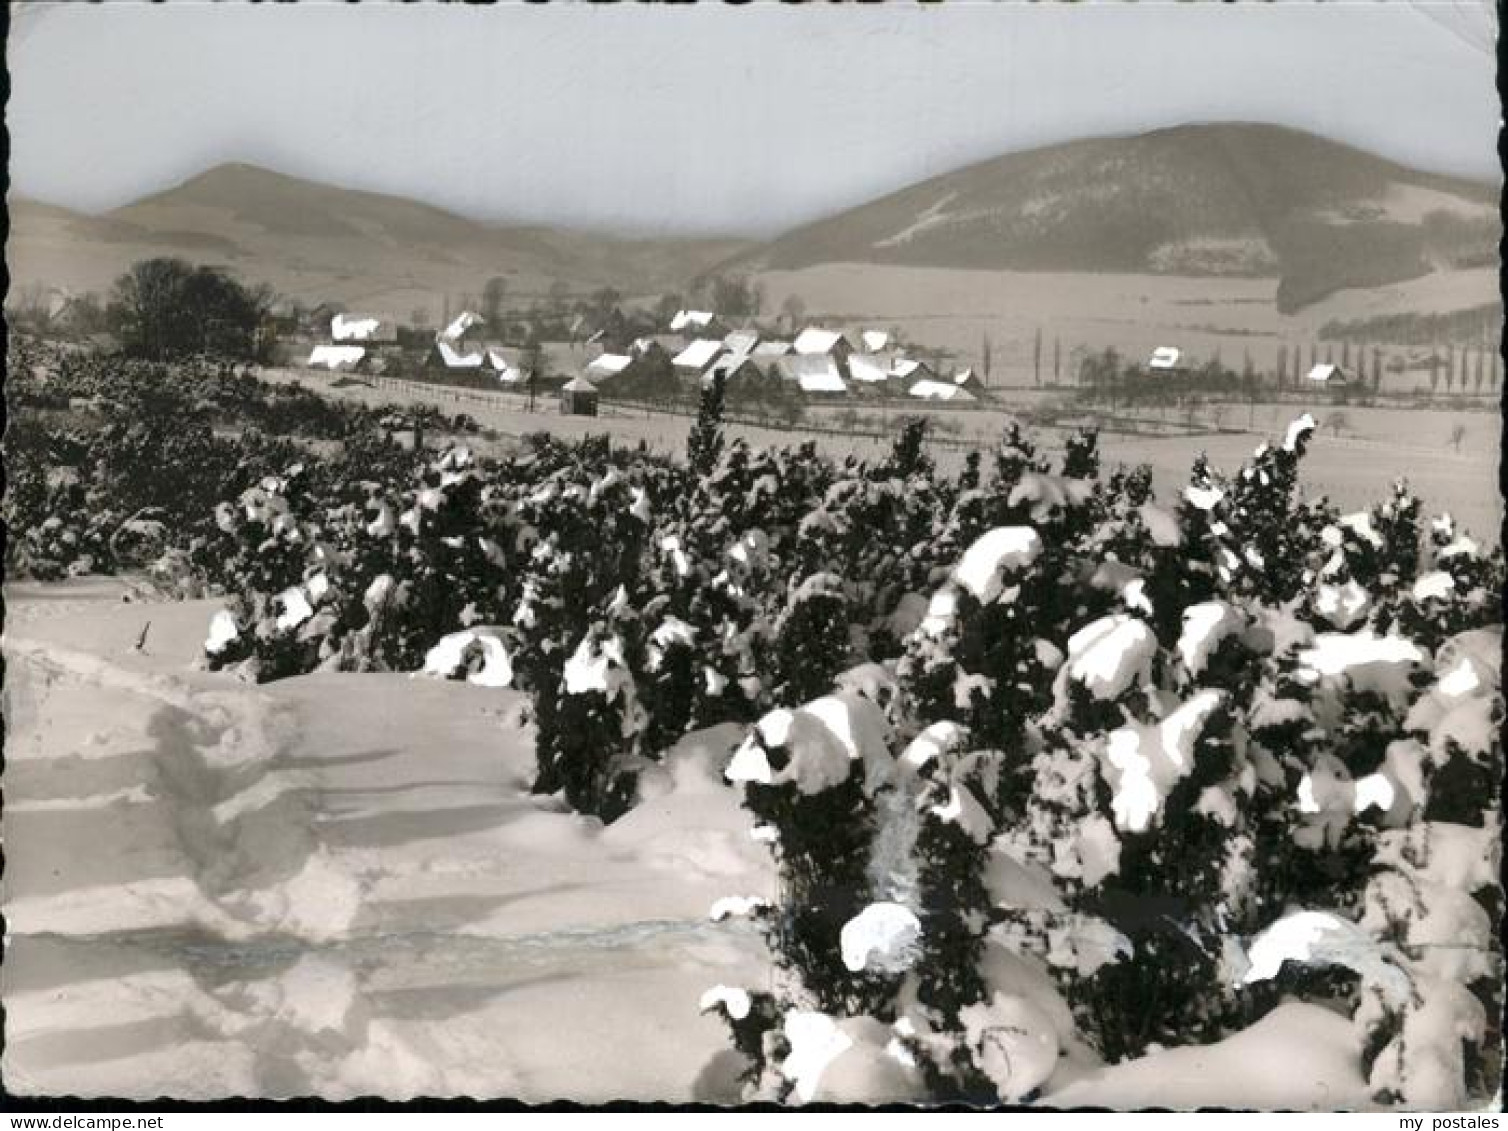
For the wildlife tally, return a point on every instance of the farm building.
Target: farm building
(930, 390)
(1328, 376)
(337, 359)
(368, 329)
(698, 357)
(578, 397)
(815, 374)
(815, 342)
(607, 365)
(874, 341)
(1166, 359)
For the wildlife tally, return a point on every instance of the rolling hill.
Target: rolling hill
(1223, 199)
(318, 241)
(1232, 200)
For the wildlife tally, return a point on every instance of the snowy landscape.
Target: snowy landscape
(864, 665)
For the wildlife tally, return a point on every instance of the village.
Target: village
(616, 355)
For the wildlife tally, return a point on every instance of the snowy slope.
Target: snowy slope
(335, 884)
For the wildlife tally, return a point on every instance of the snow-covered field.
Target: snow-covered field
(339, 885)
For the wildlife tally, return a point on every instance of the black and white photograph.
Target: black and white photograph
(936, 552)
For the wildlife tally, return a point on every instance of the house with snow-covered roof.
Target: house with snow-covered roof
(337, 358)
(607, 365)
(815, 374)
(910, 370)
(869, 370)
(460, 326)
(767, 351)
(451, 357)
(1328, 376)
(731, 367)
(932, 390)
(508, 366)
(969, 380)
(694, 323)
(366, 329)
(814, 341)
(697, 357)
(875, 341)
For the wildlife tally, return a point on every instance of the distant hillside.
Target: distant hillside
(319, 241)
(1227, 199)
(1233, 200)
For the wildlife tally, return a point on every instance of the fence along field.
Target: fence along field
(976, 718)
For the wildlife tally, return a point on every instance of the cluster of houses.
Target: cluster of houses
(818, 362)
(357, 341)
(698, 349)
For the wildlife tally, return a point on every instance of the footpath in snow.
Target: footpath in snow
(335, 885)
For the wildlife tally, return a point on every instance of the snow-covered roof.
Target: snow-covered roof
(461, 323)
(454, 359)
(699, 354)
(1325, 373)
(1164, 357)
(939, 391)
(578, 385)
(728, 365)
(509, 371)
(354, 327)
(609, 364)
(772, 349)
(336, 357)
(869, 368)
(815, 373)
(813, 340)
(822, 383)
(905, 367)
(667, 342)
(691, 320)
(741, 341)
(964, 377)
(875, 340)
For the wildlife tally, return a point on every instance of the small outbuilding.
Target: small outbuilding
(578, 397)
(1165, 359)
(1328, 376)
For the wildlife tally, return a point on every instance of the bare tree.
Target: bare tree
(493, 294)
(1338, 422)
(794, 309)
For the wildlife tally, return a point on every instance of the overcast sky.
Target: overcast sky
(706, 118)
